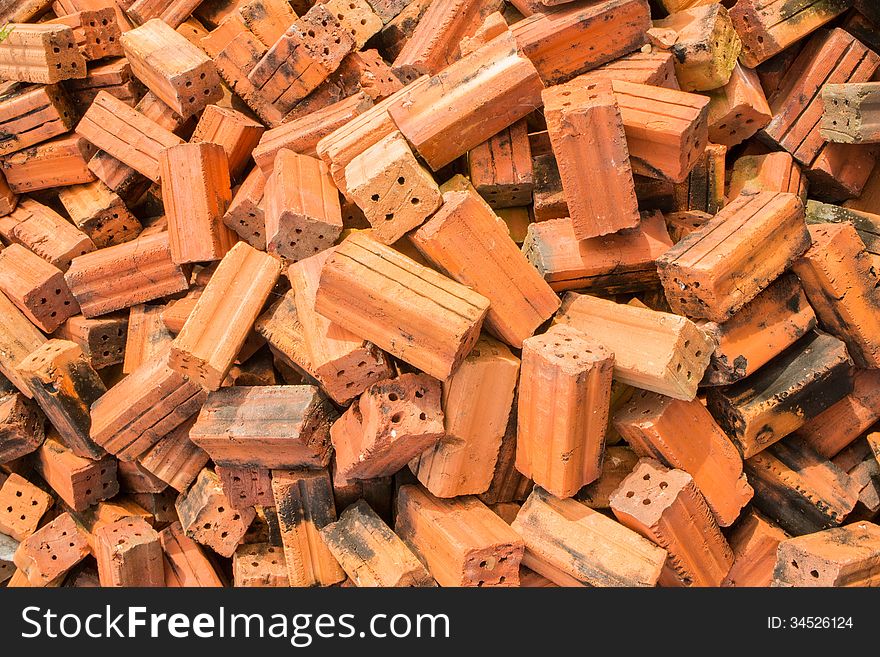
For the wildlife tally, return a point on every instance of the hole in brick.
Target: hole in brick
(422, 416)
(22, 518)
(646, 501)
(236, 517)
(18, 493)
(678, 368)
(54, 557)
(311, 33)
(647, 477)
(33, 503)
(389, 216)
(254, 564)
(207, 525)
(71, 544)
(224, 534)
(414, 200)
(397, 417)
(630, 493)
(663, 485)
(480, 583)
(88, 491)
(420, 393)
(815, 573)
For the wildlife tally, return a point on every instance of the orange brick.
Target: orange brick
(196, 192)
(344, 364)
(739, 109)
(281, 328)
(304, 500)
(370, 553)
(65, 385)
(172, 12)
(30, 114)
(762, 234)
(392, 422)
(665, 506)
(97, 32)
(501, 167)
(839, 280)
(839, 557)
(564, 41)
(301, 207)
(508, 484)
(208, 517)
(234, 60)
(859, 463)
(617, 463)
(669, 148)
(79, 481)
(572, 545)
(146, 337)
(116, 128)
(259, 565)
(48, 554)
(100, 213)
(302, 134)
(268, 19)
(280, 427)
(308, 52)
(442, 317)
(102, 340)
(469, 242)
(246, 486)
(760, 331)
(394, 191)
(145, 406)
(125, 275)
(43, 54)
(850, 112)
(841, 423)
(178, 72)
(129, 554)
(18, 338)
(175, 459)
(561, 440)
(59, 162)
(477, 403)
(45, 232)
(134, 478)
(652, 350)
(684, 435)
(767, 28)
(488, 99)
(22, 505)
(186, 560)
(235, 132)
(655, 68)
(587, 134)
(754, 541)
(246, 213)
(774, 172)
(435, 42)
(622, 262)
(800, 490)
(460, 540)
(224, 315)
(113, 76)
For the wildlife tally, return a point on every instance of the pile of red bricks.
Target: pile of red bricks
(439, 292)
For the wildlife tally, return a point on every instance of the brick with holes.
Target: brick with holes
(129, 554)
(21, 427)
(22, 505)
(773, 172)
(42, 54)
(302, 209)
(245, 215)
(259, 565)
(462, 542)
(18, 338)
(392, 422)
(754, 541)
(671, 352)
(664, 506)
(47, 555)
(684, 435)
(102, 339)
(246, 486)
(717, 269)
(344, 364)
(80, 482)
(841, 282)
(178, 72)
(739, 109)
(36, 287)
(97, 32)
(56, 163)
(560, 441)
(100, 213)
(208, 517)
(838, 557)
(30, 114)
(394, 191)
(235, 132)
(45, 232)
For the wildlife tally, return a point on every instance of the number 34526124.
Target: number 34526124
(811, 622)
